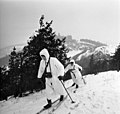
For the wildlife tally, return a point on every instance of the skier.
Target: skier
(75, 71)
(51, 68)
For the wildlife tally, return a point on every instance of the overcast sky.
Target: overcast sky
(98, 20)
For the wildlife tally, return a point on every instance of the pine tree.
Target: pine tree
(13, 69)
(44, 38)
(91, 64)
(15, 72)
(4, 83)
(116, 58)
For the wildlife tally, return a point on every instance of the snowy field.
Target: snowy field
(101, 95)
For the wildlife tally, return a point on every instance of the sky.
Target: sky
(97, 20)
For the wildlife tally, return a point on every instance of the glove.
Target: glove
(60, 77)
(80, 69)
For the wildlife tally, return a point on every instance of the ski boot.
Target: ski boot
(61, 97)
(77, 86)
(73, 84)
(49, 104)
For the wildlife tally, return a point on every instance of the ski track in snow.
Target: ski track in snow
(101, 95)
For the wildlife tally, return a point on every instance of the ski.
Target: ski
(72, 89)
(54, 108)
(43, 109)
(55, 105)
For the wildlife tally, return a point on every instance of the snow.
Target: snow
(101, 95)
(106, 50)
(73, 53)
(103, 49)
(86, 54)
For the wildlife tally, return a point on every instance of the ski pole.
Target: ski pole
(67, 92)
(83, 80)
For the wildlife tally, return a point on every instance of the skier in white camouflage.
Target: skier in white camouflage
(53, 74)
(75, 71)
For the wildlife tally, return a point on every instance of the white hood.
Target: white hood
(45, 53)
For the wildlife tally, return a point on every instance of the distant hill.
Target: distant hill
(81, 44)
(100, 56)
(5, 52)
(94, 43)
(4, 60)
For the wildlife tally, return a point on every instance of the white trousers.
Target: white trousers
(54, 85)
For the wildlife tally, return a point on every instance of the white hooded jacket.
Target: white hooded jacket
(57, 69)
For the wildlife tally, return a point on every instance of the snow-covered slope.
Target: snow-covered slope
(101, 95)
(98, 52)
(105, 50)
(73, 53)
